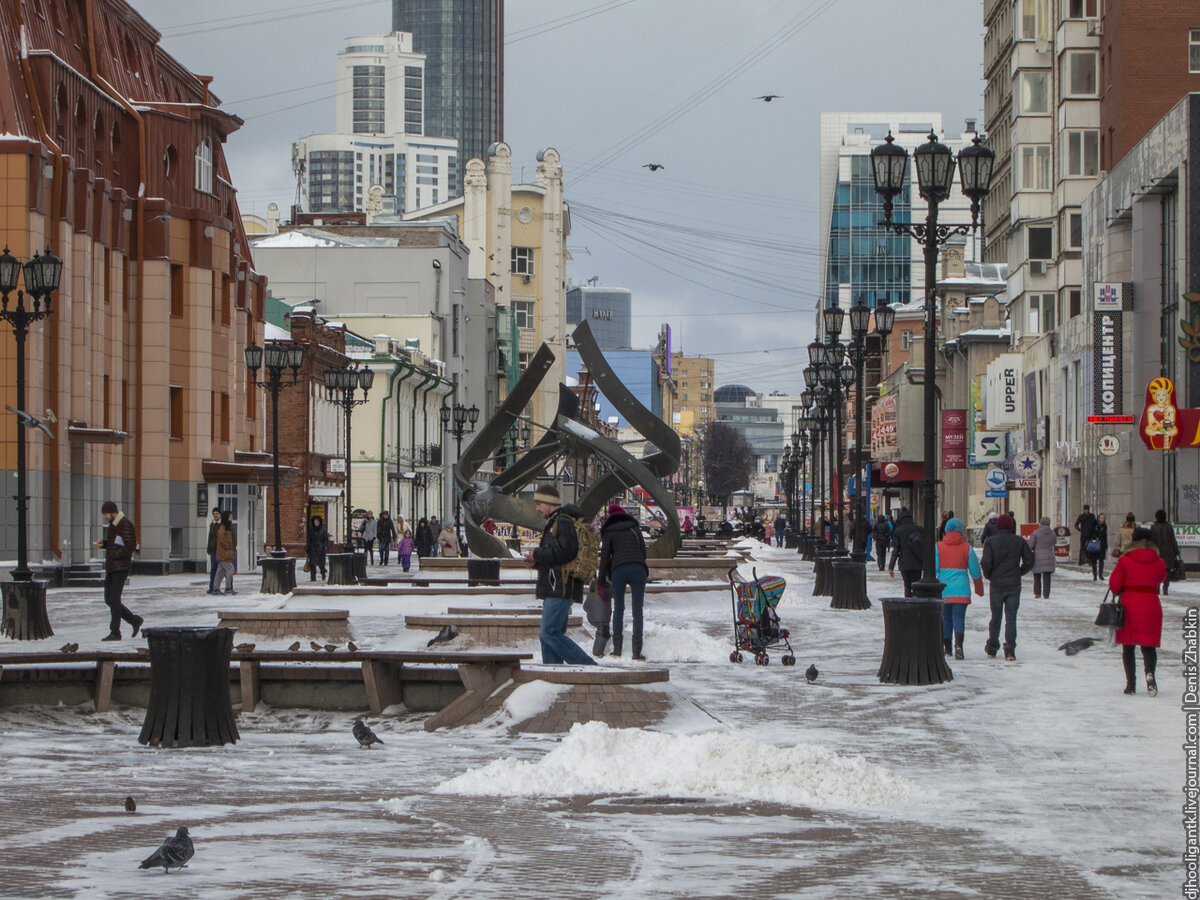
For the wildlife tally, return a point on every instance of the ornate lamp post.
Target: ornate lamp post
(458, 420)
(279, 571)
(340, 385)
(24, 614)
(806, 427)
(910, 635)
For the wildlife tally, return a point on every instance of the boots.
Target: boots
(636, 647)
(1151, 685)
(958, 651)
(1010, 654)
(601, 641)
(617, 640)
(946, 646)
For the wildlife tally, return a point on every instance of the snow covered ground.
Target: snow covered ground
(1029, 779)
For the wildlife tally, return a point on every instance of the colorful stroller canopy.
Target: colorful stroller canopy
(755, 597)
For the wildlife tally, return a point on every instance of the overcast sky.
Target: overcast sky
(726, 249)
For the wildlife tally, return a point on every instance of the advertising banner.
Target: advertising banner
(883, 428)
(1004, 394)
(990, 448)
(1109, 302)
(954, 438)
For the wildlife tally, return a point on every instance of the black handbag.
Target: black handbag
(1112, 612)
(1175, 573)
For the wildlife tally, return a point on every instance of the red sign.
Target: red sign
(1163, 425)
(954, 438)
(1110, 420)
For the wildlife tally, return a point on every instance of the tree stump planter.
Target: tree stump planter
(189, 704)
(24, 613)
(912, 642)
(341, 568)
(849, 585)
(278, 574)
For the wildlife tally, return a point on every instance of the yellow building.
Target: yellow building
(517, 238)
(694, 406)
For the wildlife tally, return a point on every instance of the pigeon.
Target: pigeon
(352, 647)
(295, 646)
(767, 98)
(174, 853)
(1073, 647)
(130, 806)
(244, 648)
(329, 648)
(811, 673)
(314, 645)
(364, 735)
(30, 421)
(68, 648)
(448, 633)
(653, 167)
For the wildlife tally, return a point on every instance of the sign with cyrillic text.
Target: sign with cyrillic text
(1110, 300)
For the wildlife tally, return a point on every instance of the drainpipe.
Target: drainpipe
(401, 372)
(426, 378)
(437, 379)
(56, 189)
(93, 66)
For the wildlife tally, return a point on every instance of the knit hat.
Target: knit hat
(1006, 523)
(1045, 520)
(547, 493)
(109, 507)
(954, 525)
(615, 509)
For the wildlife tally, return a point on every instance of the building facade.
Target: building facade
(608, 312)
(463, 43)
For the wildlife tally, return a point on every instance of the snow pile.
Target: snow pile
(528, 700)
(596, 759)
(667, 644)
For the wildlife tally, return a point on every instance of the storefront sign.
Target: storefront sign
(1108, 445)
(1187, 535)
(1027, 464)
(1110, 300)
(1163, 426)
(883, 428)
(954, 438)
(1004, 398)
(996, 481)
(990, 448)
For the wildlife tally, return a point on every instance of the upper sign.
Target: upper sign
(1004, 400)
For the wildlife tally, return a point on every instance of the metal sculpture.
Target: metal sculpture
(570, 438)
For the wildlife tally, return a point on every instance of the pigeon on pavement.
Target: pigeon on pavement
(130, 806)
(173, 854)
(364, 735)
(295, 646)
(811, 673)
(448, 633)
(1073, 647)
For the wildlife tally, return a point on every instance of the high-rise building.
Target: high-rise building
(608, 312)
(463, 43)
(381, 140)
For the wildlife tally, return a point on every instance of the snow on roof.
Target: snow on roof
(275, 333)
(294, 239)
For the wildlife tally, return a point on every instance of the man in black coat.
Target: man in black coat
(118, 544)
(559, 545)
(1085, 524)
(907, 551)
(623, 565)
(1006, 558)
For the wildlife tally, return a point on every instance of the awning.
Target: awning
(324, 492)
(898, 472)
(78, 434)
(221, 472)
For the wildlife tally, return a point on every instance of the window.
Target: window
(523, 313)
(1082, 152)
(176, 413)
(226, 291)
(1034, 19)
(1194, 51)
(1041, 242)
(1072, 229)
(1074, 303)
(1033, 93)
(204, 166)
(1080, 78)
(177, 291)
(906, 340)
(522, 260)
(225, 418)
(1034, 167)
(1082, 9)
(124, 405)
(104, 415)
(1042, 308)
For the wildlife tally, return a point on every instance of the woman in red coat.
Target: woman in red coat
(1136, 578)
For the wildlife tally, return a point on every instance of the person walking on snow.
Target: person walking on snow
(1135, 579)
(1124, 535)
(1163, 536)
(370, 533)
(315, 543)
(907, 550)
(1006, 559)
(883, 539)
(1041, 542)
(226, 553)
(405, 550)
(385, 530)
(623, 565)
(559, 545)
(213, 527)
(1100, 535)
(118, 544)
(1084, 525)
(958, 569)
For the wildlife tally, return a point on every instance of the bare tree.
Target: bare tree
(728, 460)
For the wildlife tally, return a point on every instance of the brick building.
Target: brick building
(112, 156)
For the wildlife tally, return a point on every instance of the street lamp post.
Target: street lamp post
(459, 420)
(340, 385)
(934, 163)
(808, 430)
(24, 614)
(279, 570)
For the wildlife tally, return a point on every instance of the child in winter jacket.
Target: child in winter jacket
(405, 549)
(958, 569)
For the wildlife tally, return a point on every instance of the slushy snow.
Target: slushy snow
(596, 759)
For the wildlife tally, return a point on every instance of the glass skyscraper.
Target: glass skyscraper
(463, 43)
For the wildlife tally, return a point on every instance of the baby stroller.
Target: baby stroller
(755, 622)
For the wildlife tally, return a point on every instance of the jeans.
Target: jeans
(633, 576)
(1098, 563)
(556, 646)
(954, 619)
(385, 552)
(881, 552)
(779, 538)
(1041, 585)
(909, 576)
(212, 571)
(370, 545)
(114, 583)
(1005, 605)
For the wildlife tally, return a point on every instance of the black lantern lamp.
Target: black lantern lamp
(888, 165)
(885, 318)
(935, 169)
(846, 374)
(816, 352)
(810, 381)
(833, 317)
(860, 319)
(975, 165)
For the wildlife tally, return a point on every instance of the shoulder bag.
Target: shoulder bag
(1112, 613)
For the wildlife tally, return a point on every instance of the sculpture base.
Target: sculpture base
(912, 642)
(24, 614)
(341, 569)
(278, 574)
(849, 585)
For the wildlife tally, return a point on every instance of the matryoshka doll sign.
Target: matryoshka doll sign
(1163, 425)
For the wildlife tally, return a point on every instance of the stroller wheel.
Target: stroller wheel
(735, 657)
(788, 660)
(762, 659)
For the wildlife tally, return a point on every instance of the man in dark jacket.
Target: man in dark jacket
(623, 565)
(213, 527)
(1085, 525)
(990, 529)
(882, 534)
(120, 540)
(907, 550)
(1006, 558)
(559, 545)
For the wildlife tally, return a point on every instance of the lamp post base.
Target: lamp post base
(278, 574)
(912, 642)
(24, 614)
(341, 569)
(823, 583)
(849, 584)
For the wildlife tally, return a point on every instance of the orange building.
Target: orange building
(112, 156)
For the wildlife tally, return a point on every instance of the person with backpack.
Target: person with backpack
(563, 557)
(958, 569)
(907, 550)
(623, 565)
(883, 539)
